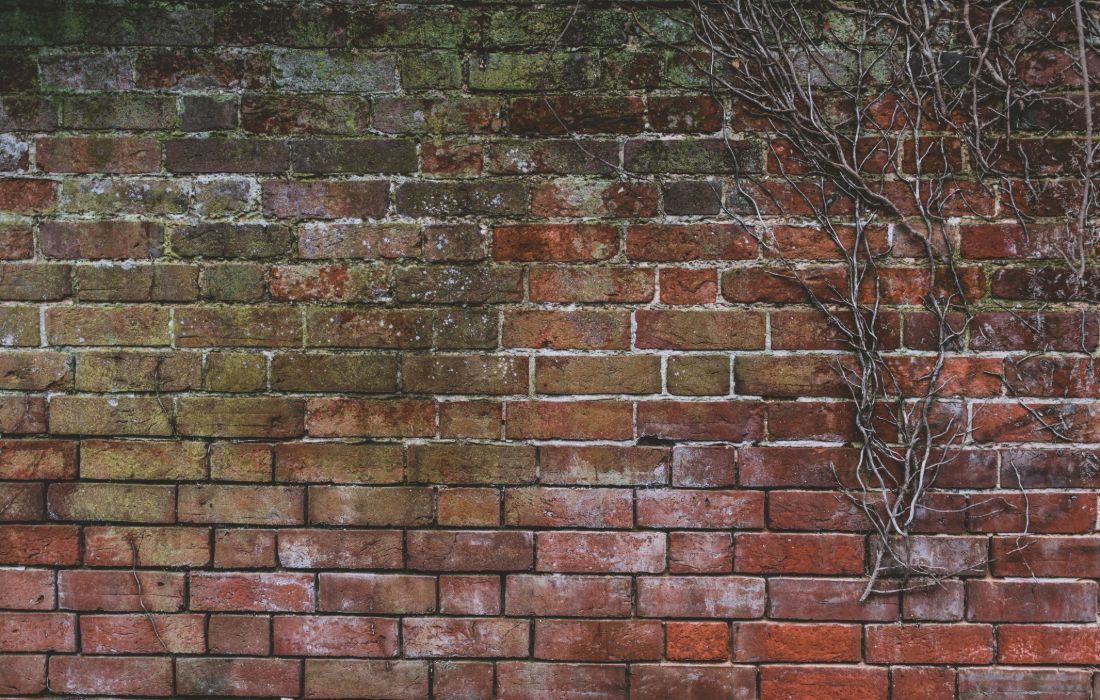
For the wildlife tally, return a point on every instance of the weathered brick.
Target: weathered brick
(377, 593)
(120, 590)
(112, 502)
(238, 677)
(111, 675)
(248, 592)
(249, 505)
(240, 417)
(338, 463)
(370, 505)
(455, 463)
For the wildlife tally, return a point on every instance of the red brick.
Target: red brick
(37, 459)
(101, 239)
(111, 675)
(700, 552)
(152, 546)
(24, 675)
(142, 634)
(688, 286)
(95, 154)
(598, 640)
(601, 552)
(827, 599)
(1048, 644)
(567, 596)
(604, 465)
(701, 509)
(465, 636)
(554, 242)
(701, 596)
(653, 682)
(567, 330)
(352, 678)
(470, 550)
(244, 549)
(1027, 601)
(370, 505)
(1045, 556)
(469, 595)
(922, 683)
(591, 284)
(238, 677)
(239, 634)
(523, 679)
(120, 590)
(689, 242)
(933, 643)
(248, 592)
(1005, 683)
(700, 330)
(468, 507)
(852, 682)
(342, 549)
(27, 589)
(39, 545)
(376, 593)
(569, 420)
(798, 554)
(318, 199)
(780, 641)
(697, 641)
(26, 196)
(335, 636)
(22, 632)
(732, 421)
(564, 507)
(333, 417)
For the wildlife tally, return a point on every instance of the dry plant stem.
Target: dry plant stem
(141, 593)
(898, 75)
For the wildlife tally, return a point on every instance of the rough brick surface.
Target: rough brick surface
(333, 366)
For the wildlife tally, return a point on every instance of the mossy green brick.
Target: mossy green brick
(534, 72)
(240, 282)
(110, 415)
(413, 27)
(143, 197)
(127, 503)
(431, 71)
(235, 372)
(562, 26)
(118, 111)
(19, 326)
(142, 460)
(125, 370)
(224, 196)
(334, 71)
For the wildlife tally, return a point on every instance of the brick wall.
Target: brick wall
(332, 367)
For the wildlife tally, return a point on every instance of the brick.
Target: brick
(604, 465)
(697, 641)
(111, 675)
(39, 545)
(111, 502)
(458, 285)
(153, 546)
(238, 677)
(932, 643)
(244, 549)
(118, 460)
(88, 325)
(370, 505)
(96, 154)
(251, 592)
(101, 239)
(685, 243)
(470, 550)
(569, 420)
(249, 505)
(455, 680)
(567, 596)
(590, 284)
(554, 242)
(598, 640)
(651, 681)
(468, 507)
(37, 460)
(367, 329)
(367, 241)
(338, 463)
(240, 461)
(239, 634)
(455, 374)
(142, 634)
(525, 679)
(923, 682)
(335, 636)
(23, 632)
(304, 114)
(319, 199)
(801, 553)
(353, 678)
(24, 675)
(238, 327)
(31, 370)
(469, 595)
(382, 156)
(564, 508)
(827, 599)
(598, 375)
(1023, 601)
(1048, 644)
(399, 594)
(700, 330)
(470, 637)
(567, 330)
(701, 509)
(240, 417)
(700, 552)
(1006, 683)
(456, 463)
(250, 241)
(734, 421)
(27, 196)
(331, 417)
(779, 641)
(601, 552)
(788, 683)
(703, 466)
(120, 591)
(27, 589)
(225, 155)
(701, 597)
